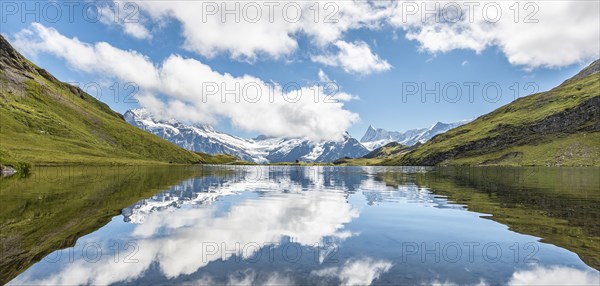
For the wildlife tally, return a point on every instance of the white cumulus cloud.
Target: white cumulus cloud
(542, 34)
(532, 34)
(251, 31)
(262, 28)
(101, 58)
(354, 58)
(196, 93)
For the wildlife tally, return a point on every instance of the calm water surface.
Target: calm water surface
(302, 225)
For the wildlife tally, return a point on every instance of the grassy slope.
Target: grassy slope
(512, 138)
(45, 121)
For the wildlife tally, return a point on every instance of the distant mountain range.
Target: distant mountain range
(375, 138)
(204, 138)
(263, 149)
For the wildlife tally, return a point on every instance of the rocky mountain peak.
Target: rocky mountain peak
(371, 134)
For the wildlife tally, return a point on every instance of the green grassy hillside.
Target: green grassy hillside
(45, 121)
(560, 127)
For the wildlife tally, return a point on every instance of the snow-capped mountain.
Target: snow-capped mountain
(199, 138)
(375, 138)
(203, 138)
(291, 149)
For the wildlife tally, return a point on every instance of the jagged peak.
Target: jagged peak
(438, 124)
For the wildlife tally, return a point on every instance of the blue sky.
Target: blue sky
(412, 58)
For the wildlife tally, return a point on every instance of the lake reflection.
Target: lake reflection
(329, 225)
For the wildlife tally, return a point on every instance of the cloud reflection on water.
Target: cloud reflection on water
(182, 241)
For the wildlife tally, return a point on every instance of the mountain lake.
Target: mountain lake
(255, 225)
